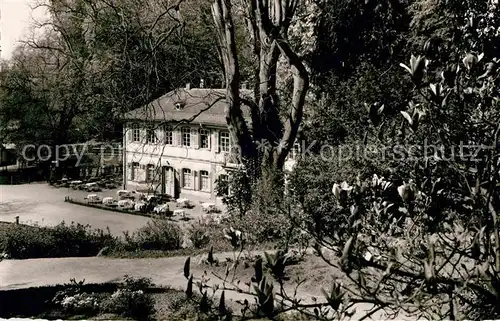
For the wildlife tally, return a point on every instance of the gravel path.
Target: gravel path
(18, 274)
(43, 205)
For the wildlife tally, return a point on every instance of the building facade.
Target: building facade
(179, 145)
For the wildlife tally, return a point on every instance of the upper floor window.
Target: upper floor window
(136, 133)
(186, 136)
(167, 130)
(204, 138)
(224, 142)
(152, 139)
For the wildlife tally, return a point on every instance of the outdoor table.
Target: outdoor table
(180, 213)
(182, 202)
(207, 207)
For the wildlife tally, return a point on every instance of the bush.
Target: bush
(80, 304)
(129, 300)
(23, 242)
(135, 284)
(156, 235)
(183, 308)
(129, 303)
(262, 201)
(199, 236)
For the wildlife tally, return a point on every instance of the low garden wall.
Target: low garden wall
(108, 208)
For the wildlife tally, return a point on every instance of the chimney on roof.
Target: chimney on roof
(188, 86)
(202, 83)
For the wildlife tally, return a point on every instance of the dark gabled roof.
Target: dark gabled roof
(208, 104)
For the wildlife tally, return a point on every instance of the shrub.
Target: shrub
(135, 284)
(156, 235)
(199, 235)
(81, 240)
(129, 303)
(23, 242)
(129, 300)
(183, 308)
(209, 234)
(80, 304)
(264, 201)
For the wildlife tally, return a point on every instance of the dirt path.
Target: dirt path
(17, 274)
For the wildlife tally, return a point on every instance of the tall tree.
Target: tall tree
(111, 57)
(274, 124)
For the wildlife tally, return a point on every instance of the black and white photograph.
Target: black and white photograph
(266, 160)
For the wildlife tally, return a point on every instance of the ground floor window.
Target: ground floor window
(169, 173)
(223, 185)
(134, 172)
(204, 182)
(187, 178)
(151, 173)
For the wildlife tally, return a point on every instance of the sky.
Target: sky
(16, 17)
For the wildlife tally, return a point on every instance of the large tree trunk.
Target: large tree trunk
(221, 10)
(271, 137)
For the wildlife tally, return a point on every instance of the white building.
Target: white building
(179, 144)
(179, 159)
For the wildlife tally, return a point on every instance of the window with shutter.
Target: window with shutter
(186, 136)
(187, 178)
(167, 135)
(151, 173)
(204, 181)
(175, 138)
(204, 138)
(134, 173)
(136, 133)
(224, 142)
(151, 136)
(178, 132)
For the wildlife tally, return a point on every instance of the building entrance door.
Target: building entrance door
(169, 181)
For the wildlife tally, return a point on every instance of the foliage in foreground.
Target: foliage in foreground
(413, 214)
(129, 300)
(417, 232)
